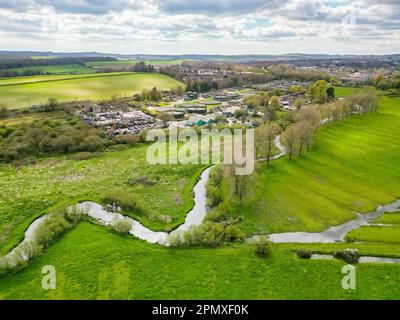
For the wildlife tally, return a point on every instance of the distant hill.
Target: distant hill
(200, 57)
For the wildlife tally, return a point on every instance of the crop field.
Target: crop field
(20, 92)
(46, 78)
(95, 64)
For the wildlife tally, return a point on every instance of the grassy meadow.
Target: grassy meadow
(32, 190)
(20, 92)
(353, 167)
(389, 218)
(375, 234)
(95, 263)
(341, 92)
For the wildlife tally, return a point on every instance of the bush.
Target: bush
(214, 197)
(126, 201)
(3, 110)
(263, 246)
(220, 213)
(142, 180)
(92, 144)
(122, 225)
(55, 224)
(73, 215)
(348, 255)
(52, 227)
(209, 234)
(304, 254)
(4, 266)
(129, 139)
(85, 155)
(19, 257)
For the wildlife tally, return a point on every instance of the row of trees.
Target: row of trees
(157, 95)
(142, 67)
(264, 140)
(178, 91)
(202, 86)
(298, 137)
(386, 84)
(149, 95)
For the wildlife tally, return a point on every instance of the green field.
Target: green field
(95, 263)
(389, 218)
(37, 90)
(119, 63)
(47, 78)
(344, 91)
(375, 234)
(59, 69)
(43, 57)
(353, 167)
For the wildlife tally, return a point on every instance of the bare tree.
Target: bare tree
(290, 138)
(270, 133)
(242, 183)
(365, 101)
(269, 114)
(258, 140)
(311, 115)
(305, 132)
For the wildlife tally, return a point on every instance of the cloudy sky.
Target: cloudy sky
(202, 26)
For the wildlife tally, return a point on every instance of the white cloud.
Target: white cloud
(224, 26)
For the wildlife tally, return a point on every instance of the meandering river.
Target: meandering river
(197, 214)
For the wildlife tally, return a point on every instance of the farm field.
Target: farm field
(132, 62)
(95, 263)
(59, 69)
(80, 87)
(46, 78)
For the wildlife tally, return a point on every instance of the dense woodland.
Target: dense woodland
(10, 63)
